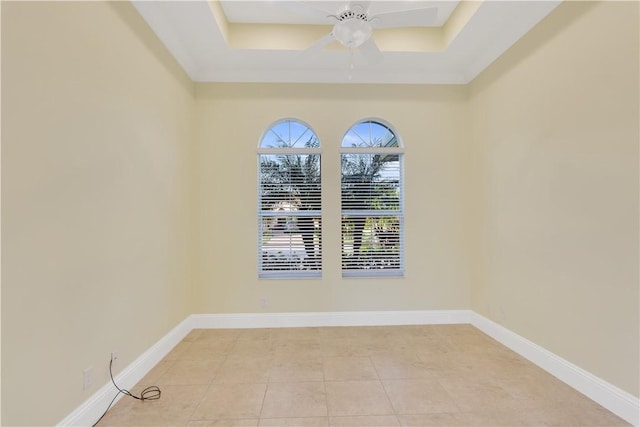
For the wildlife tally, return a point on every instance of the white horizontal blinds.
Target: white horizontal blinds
(290, 227)
(372, 200)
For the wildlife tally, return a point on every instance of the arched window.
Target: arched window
(372, 201)
(289, 202)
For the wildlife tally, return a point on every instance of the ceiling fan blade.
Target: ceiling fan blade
(405, 18)
(370, 51)
(319, 44)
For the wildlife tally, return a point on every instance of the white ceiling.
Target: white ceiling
(270, 40)
(290, 12)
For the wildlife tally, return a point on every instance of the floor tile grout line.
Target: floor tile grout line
(395, 411)
(195, 408)
(264, 398)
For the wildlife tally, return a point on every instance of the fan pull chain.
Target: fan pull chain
(351, 65)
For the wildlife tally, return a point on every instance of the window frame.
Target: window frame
(262, 214)
(398, 150)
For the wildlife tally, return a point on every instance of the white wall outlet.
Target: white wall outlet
(115, 355)
(263, 302)
(87, 378)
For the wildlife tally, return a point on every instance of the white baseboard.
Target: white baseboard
(91, 410)
(615, 400)
(618, 401)
(351, 318)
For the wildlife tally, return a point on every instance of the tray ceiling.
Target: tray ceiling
(270, 40)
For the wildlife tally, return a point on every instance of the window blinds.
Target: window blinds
(290, 237)
(372, 213)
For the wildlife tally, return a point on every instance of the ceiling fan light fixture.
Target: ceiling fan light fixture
(352, 32)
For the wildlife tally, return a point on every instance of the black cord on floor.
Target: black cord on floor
(149, 393)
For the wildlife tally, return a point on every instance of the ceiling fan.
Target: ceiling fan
(354, 24)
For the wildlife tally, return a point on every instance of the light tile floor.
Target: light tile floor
(435, 375)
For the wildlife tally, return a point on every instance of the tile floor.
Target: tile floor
(435, 375)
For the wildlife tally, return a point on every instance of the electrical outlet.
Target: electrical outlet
(263, 302)
(115, 355)
(87, 378)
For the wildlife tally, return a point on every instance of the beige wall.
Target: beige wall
(555, 127)
(430, 120)
(96, 140)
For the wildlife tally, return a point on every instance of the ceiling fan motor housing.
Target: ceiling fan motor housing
(352, 29)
